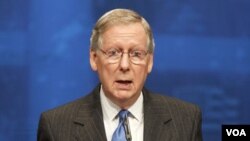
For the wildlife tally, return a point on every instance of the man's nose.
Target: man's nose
(125, 61)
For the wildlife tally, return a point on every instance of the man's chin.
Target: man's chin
(123, 94)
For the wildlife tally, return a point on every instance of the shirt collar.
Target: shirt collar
(110, 110)
(137, 108)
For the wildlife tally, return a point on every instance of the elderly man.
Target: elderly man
(120, 108)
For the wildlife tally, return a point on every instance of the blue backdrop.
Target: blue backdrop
(202, 55)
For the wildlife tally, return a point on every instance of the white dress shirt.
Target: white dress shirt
(111, 120)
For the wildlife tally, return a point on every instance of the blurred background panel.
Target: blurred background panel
(202, 55)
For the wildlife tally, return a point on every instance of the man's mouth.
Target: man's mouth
(124, 84)
(124, 81)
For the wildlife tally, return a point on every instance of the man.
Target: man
(120, 108)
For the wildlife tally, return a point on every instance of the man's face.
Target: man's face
(122, 81)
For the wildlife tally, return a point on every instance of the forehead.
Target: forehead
(134, 31)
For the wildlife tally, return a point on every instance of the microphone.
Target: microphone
(127, 130)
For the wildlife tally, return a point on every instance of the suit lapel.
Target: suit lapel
(157, 119)
(89, 121)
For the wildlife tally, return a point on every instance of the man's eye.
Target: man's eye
(111, 53)
(136, 53)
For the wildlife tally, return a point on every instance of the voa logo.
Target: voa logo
(236, 132)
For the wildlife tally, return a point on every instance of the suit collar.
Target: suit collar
(89, 118)
(90, 105)
(153, 106)
(156, 117)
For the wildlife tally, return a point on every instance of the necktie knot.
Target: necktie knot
(120, 132)
(122, 115)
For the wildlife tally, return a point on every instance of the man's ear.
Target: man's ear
(150, 63)
(93, 60)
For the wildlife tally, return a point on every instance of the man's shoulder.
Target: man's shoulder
(170, 99)
(172, 102)
(69, 108)
(177, 108)
(89, 100)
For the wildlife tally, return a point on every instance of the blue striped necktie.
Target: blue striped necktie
(119, 134)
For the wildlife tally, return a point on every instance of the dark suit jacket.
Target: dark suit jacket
(165, 119)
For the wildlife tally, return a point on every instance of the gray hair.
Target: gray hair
(119, 16)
